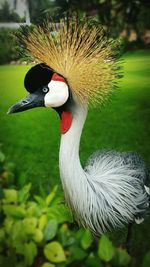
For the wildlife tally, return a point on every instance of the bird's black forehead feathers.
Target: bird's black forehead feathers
(37, 77)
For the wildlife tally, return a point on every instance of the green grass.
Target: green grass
(31, 139)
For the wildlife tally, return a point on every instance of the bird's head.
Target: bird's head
(84, 66)
(46, 89)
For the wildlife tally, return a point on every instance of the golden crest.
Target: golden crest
(82, 54)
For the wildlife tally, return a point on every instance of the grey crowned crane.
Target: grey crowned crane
(79, 67)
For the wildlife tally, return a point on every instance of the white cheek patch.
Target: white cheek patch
(57, 95)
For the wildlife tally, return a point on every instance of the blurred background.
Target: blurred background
(30, 141)
(127, 19)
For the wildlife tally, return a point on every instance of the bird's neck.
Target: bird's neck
(71, 171)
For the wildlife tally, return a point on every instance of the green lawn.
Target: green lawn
(31, 139)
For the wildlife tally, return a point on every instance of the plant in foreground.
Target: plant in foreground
(39, 232)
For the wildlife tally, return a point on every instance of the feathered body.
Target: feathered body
(111, 190)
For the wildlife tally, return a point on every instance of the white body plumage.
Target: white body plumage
(107, 193)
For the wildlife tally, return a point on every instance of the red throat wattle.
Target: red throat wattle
(66, 121)
(66, 116)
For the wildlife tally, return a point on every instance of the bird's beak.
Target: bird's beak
(31, 101)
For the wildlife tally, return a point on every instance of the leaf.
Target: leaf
(66, 236)
(80, 233)
(23, 194)
(33, 210)
(146, 260)
(38, 236)
(47, 264)
(2, 157)
(122, 258)
(87, 239)
(30, 252)
(17, 232)
(93, 261)
(8, 223)
(19, 247)
(59, 212)
(51, 196)
(54, 252)
(50, 230)
(77, 253)
(29, 225)
(40, 201)
(14, 211)
(10, 195)
(105, 249)
(42, 221)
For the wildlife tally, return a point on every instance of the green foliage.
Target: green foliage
(86, 239)
(7, 178)
(40, 10)
(115, 15)
(105, 250)
(122, 258)
(26, 226)
(7, 15)
(47, 264)
(8, 46)
(146, 260)
(50, 229)
(30, 232)
(54, 252)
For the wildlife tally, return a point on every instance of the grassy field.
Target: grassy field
(31, 139)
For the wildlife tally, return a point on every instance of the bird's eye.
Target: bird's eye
(45, 89)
